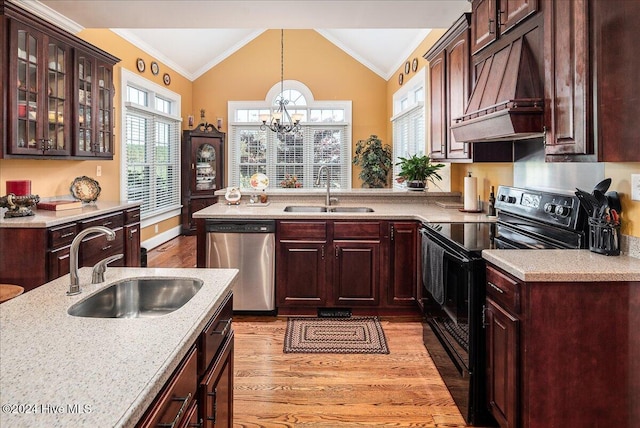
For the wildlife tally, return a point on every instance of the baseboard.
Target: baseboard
(161, 238)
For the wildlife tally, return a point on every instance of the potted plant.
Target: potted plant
(375, 160)
(416, 170)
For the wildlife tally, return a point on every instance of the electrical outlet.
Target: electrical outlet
(155, 228)
(635, 187)
(98, 171)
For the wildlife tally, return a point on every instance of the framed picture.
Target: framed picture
(155, 69)
(407, 67)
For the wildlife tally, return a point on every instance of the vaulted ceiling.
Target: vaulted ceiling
(191, 36)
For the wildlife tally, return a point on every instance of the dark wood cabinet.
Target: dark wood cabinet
(403, 264)
(438, 105)
(58, 91)
(562, 354)
(202, 171)
(491, 18)
(217, 390)
(356, 273)
(43, 253)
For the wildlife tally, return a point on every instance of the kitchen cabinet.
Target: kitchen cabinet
(202, 171)
(34, 256)
(561, 353)
(491, 18)
(450, 88)
(59, 90)
(200, 391)
(403, 263)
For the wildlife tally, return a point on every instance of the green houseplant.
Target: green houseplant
(417, 170)
(375, 160)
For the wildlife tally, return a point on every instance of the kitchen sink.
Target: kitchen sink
(351, 209)
(138, 298)
(317, 209)
(305, 209)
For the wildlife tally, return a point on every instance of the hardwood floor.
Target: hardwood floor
(274, 389)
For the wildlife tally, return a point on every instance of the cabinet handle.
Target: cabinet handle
(500, 18)
(224, 330)
(132, 232)
(66, 235)
(490, 32)
(215, 405)
(105, 224)
(184, 400)
(393, 230)
(193, 166)
(484, 316)
(322, 252)
(495, 287)
(106, 248)
(337, 251)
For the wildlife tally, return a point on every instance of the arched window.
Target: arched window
(292, 160)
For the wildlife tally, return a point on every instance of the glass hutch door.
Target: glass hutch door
(206, 159)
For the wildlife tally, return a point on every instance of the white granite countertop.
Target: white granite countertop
(564, 265)
(112, 369)
(45, 218)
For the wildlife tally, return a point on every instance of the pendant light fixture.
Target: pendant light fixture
(281, 122)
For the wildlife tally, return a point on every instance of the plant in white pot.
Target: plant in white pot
(417, 170)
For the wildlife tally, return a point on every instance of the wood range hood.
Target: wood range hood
(507, 102)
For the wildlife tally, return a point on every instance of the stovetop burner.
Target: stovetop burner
(470, 237)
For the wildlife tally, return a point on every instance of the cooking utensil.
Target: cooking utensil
(603, 203)
(614, 200)
(588, 201)
(603, 186)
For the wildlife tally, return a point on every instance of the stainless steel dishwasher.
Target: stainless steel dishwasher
(249, 246)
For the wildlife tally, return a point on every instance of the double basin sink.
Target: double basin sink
(138, 298)
(319, 209)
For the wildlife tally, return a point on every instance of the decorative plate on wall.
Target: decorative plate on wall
(414, 65)
(140, 65)
(166, 79)
(407, 67)
(155, 69)
(400, 79)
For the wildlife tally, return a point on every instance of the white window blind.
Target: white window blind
(153, 160)
(408, 136)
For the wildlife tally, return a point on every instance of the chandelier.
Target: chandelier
(281, 122)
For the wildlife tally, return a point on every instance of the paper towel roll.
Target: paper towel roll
(470, 193)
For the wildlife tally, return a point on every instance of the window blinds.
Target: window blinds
(408, 135)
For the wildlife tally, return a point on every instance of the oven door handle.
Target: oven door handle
(448, 252)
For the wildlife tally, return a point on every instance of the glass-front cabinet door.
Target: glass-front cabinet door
(39, 116)
(206, 165)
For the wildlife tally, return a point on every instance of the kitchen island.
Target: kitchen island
(57, 370)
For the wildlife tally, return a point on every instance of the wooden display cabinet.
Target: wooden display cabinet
(202, 171)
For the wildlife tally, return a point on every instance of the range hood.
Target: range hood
(507, 102)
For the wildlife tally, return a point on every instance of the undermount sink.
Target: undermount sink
(138, 298)
(305, 209)
(318, 209)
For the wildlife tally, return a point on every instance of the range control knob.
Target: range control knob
(511, 199)
(502, 198)
(562, 211)
(549, 208)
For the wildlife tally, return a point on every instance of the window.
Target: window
(151, 147)
(291, 160)
(409, 120)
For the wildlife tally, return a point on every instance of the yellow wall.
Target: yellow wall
(329, 72)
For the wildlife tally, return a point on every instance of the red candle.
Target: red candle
(19, 187)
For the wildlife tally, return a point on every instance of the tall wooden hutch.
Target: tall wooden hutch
(202, 171)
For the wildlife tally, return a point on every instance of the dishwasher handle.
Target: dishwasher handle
(240, 226)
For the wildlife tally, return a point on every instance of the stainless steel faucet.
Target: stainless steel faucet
(328, 173)
(97, 275)
(74, 287)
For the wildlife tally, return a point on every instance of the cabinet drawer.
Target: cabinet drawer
(95, 247)
(62, 235)
(214, 335)
(503, 289)
(111, 221)
(315, 230)
(180, 391)
(356, 230)
(132, 216)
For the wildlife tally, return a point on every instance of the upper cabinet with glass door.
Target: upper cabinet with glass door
(59, 93)
(38, 100)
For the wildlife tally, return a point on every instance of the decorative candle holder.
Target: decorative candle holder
(18, 206)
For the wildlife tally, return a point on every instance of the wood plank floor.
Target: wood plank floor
(274, 389)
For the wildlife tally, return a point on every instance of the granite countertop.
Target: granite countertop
(45, 218)
(112, 369)
(564, 265)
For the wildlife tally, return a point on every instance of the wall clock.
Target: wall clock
(155, 69)
(414, 65)
(166, 79)
(400, 79)
(407, 67)
(140, 65)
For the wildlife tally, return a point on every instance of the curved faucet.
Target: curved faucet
(328, 173)
(74, 287)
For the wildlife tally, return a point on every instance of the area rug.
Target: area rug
(358, 335)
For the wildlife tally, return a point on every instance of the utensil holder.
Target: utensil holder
(604, 237)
